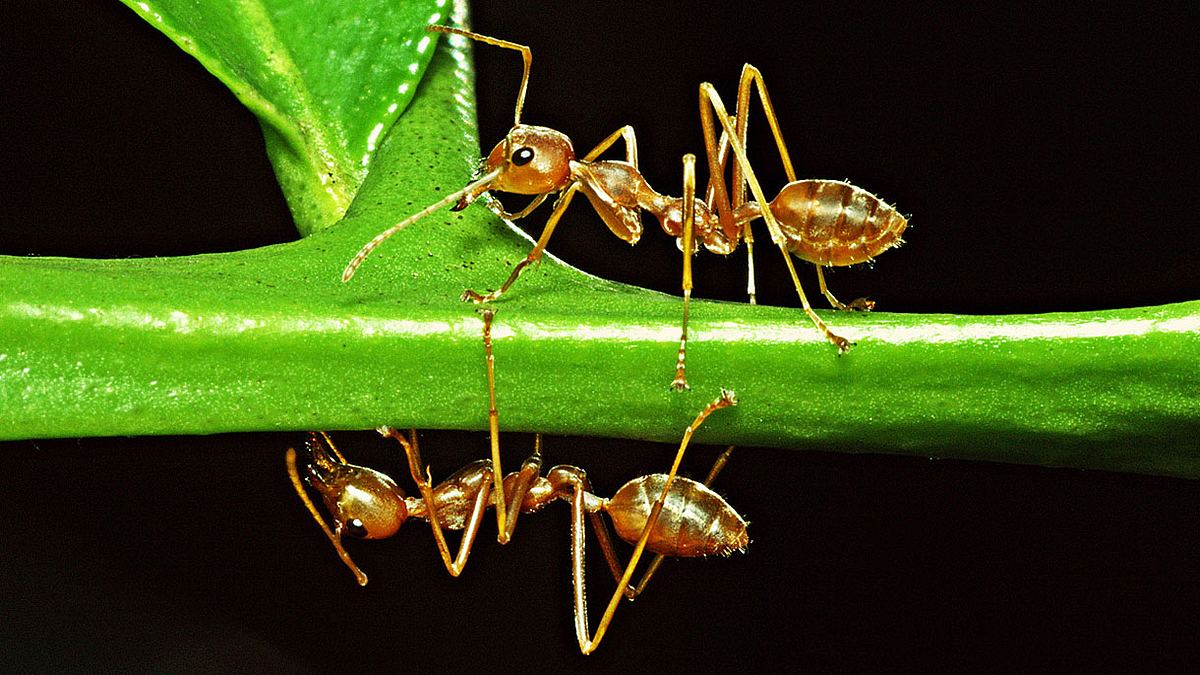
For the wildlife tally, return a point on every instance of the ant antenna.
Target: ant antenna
(329, 442)
(359, 257)
(334, 539)
(526, 57)
(472, 189)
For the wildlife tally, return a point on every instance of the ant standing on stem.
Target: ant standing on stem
(828, 223)
(666, 514)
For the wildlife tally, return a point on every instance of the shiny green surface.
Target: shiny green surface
(325, 79)
(270, 338)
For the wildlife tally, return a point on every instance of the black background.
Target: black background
(1048, 160)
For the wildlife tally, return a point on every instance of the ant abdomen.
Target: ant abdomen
(695, 521)
(834, 223)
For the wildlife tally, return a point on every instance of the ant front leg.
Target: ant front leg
(502, 531)
(456, 564)
(534, 255)
(508, 502)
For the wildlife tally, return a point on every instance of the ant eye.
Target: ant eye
(355, 528)
(522, 156)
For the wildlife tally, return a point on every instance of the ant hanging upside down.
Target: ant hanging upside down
(825, 222)
(666, 514)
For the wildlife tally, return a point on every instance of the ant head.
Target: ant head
(364, 503)
(371, 506)
(529, 161)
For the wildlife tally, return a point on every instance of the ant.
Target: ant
(667, 514)
(825, 222)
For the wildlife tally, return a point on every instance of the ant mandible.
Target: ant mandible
(825, 222)
(686, 519)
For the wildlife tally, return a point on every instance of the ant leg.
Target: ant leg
(718, 466)
(499, 208)
(843, 345)
(751, 291)
(334, 539)
(751, 80)
(610, 555)
(860, 305)
(535, 254)
(632, 593)
(453, 566)
(717, 194)
(578, 539)
(589, 645)
(710, 101)
(689, 249)
(716, 197)
(626, 132)
(747, 233)
(751, 75)
(508, 507)
(531, 470)
(502, 532)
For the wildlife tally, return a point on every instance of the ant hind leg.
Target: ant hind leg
(454, 565)
(589, 644)
(632, 592)
(710, 103)
(857, 305)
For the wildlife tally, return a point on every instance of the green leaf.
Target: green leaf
(325, 80)
(271, 339)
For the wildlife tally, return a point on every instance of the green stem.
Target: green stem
(225, 352)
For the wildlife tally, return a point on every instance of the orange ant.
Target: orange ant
(825, 222)
(686, 519)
